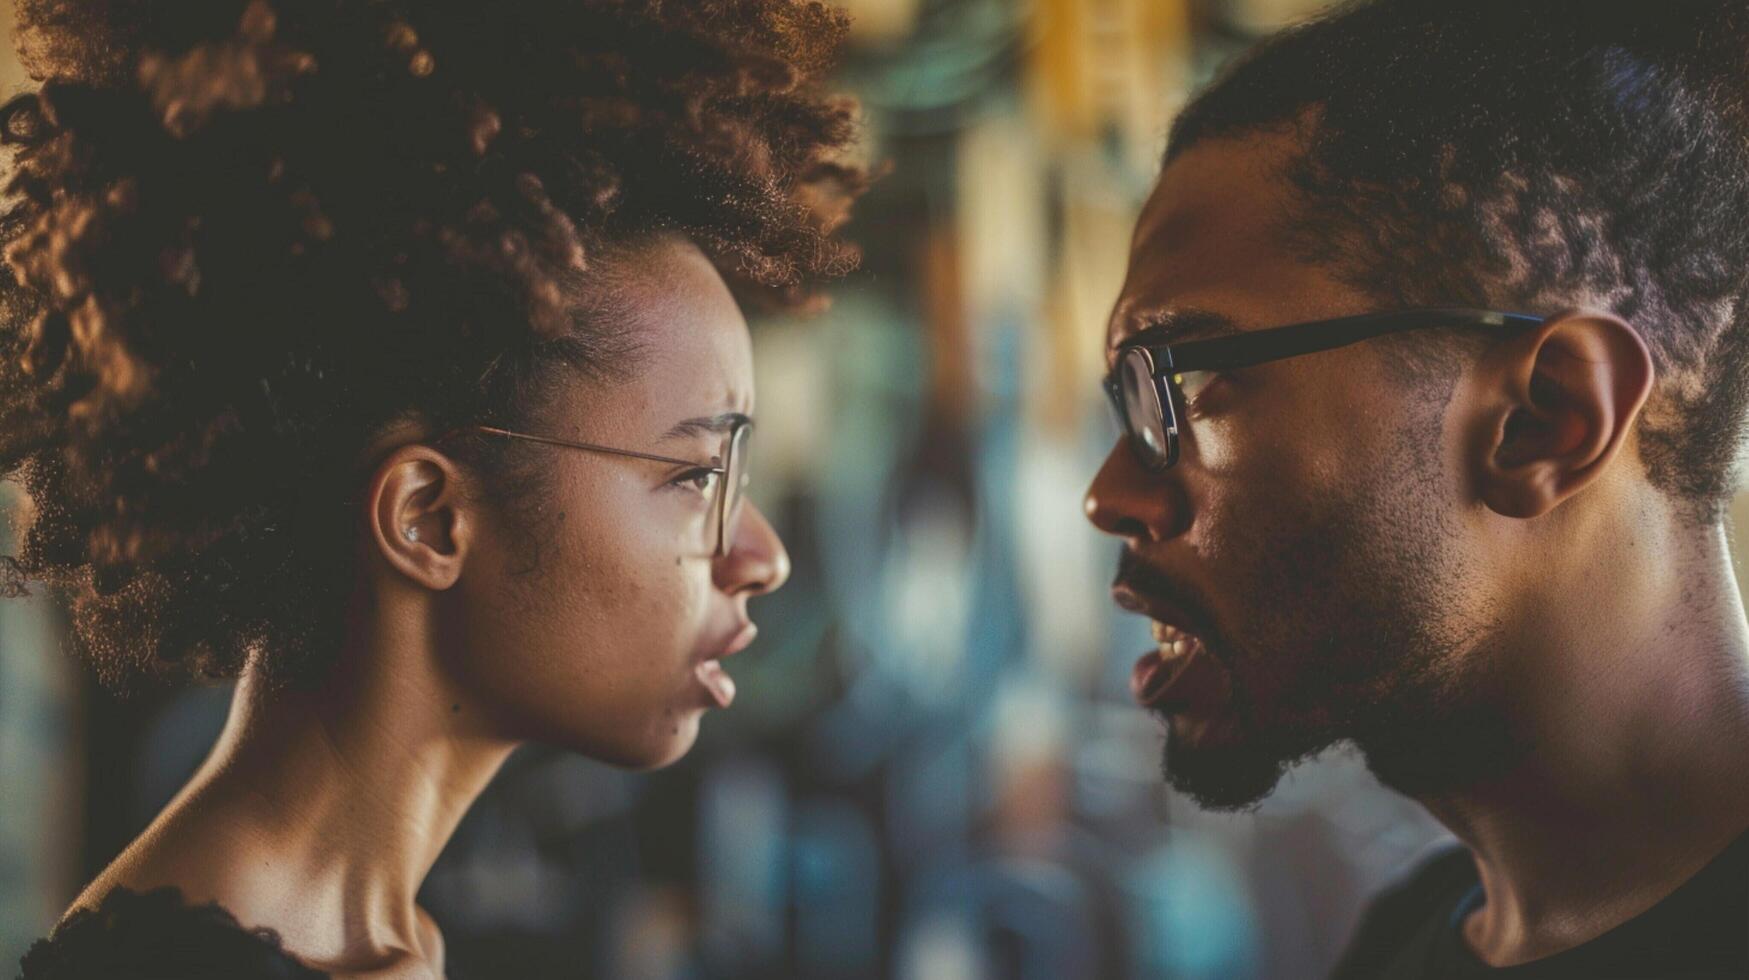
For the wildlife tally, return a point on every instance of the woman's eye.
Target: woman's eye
(702, 480)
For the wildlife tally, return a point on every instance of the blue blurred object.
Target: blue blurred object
(1193, 913)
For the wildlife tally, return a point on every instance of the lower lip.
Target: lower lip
(1180, 683)
(710, 673)
(716, 682)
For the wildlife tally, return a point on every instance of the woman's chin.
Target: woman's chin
(661, 745)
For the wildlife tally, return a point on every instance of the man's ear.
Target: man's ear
(1560, 400)
(417, 517)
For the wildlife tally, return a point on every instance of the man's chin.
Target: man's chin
(1219, 768)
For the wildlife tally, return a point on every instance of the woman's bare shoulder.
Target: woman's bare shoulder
(158, 932)
(195, 869)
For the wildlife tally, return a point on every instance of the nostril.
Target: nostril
(1129, 527)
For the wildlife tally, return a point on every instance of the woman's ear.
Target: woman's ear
(417, 516)
(1557, 404)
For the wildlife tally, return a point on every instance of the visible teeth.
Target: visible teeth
(1174, 641)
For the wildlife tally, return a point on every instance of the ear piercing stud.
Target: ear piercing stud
(411, 533)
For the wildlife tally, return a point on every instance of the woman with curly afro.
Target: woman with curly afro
(382, 355)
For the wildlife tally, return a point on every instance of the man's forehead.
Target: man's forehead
(1209, 249)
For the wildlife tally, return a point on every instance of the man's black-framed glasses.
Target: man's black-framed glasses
(1147, 384)
(729, 469)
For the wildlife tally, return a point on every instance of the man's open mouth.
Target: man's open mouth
(1179, 674)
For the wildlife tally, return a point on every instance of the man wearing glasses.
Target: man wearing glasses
(1433, 363)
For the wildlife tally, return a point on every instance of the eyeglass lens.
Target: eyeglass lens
(1144, 416)
(732, 489)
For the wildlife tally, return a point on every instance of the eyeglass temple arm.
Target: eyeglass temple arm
(592, 447)
(1256, 347)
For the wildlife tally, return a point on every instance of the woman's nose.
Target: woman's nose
(757, 561)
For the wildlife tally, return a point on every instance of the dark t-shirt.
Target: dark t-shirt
(155, 936)
(1698, 932)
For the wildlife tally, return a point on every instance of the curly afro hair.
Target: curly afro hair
(247, 236)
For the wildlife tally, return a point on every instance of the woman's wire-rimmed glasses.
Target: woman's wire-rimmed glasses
(1146, 384)
(730, 470)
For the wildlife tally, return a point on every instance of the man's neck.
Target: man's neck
(1636, 723)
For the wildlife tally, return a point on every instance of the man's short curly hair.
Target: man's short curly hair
(1530, 156)
(245, 236)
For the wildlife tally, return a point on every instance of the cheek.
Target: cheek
(624, 598)
(652, 606)
(1270, 524)
(1260, 543)
(1316, 583)
(592, 649)
(1255, 486)
(1269, 563)
(1304, 426)
(1257, 442)
(1273, 477)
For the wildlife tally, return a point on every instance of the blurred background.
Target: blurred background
(934, 769)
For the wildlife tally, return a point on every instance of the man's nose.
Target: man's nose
(1127, 501)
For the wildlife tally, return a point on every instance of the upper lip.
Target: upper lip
(736, 641)
(1158, 609)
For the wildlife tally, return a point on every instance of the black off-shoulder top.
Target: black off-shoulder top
(155, 935)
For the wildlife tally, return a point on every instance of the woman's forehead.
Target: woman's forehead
(694, 354)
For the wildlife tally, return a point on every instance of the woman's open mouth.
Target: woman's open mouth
(710, 672)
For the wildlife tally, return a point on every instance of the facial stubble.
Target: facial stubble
(1365, 627)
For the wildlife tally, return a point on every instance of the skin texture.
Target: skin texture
(319, 813)
(1464, 580)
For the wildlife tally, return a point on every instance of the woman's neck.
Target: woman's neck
(319, 812)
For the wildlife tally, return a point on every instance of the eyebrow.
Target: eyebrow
(1177, 326)
(691, 428)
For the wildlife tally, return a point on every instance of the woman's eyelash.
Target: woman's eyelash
(702, 477)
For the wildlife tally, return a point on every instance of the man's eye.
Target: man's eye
(1192, 383)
